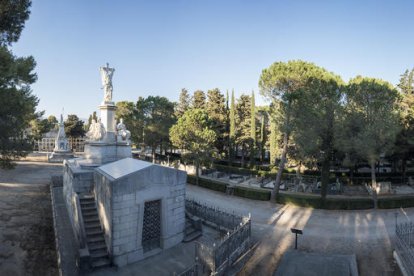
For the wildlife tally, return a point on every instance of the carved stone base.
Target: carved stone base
(102, 152)
(59, 156)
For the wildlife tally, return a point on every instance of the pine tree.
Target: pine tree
(252, 130)
(183, 103)
(199, 100)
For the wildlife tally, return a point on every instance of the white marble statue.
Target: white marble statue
(61, 142)
(96, 131)
(106, 75)
(123, 133)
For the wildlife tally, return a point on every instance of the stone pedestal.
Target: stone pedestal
(108, 116)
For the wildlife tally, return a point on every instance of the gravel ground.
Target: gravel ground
(367, 233)
(26, 226)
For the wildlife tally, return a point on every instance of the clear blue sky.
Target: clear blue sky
(159, 47)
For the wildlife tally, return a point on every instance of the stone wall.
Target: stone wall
(75, 181)
(103, 197)
(128, 196)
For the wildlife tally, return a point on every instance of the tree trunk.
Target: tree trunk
(325, 176)
(404, 170)
(242, 157)
(275, 192)
(374, 185)
(153, 155)
(197, 173)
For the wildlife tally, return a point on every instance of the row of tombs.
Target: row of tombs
(122, 210)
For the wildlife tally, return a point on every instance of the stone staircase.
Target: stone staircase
(94, 235)
(193, 228)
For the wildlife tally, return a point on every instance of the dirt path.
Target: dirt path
(26, 225)
(367, 233)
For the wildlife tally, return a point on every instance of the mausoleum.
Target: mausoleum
(141, 207)
(121, 209)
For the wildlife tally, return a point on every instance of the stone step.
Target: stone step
(93, 239)
(98, 253)
(87, 204)
(192, 236)
(101, 262)
(89, 220)
(88, 208)
(92, 225)
(89, 216)
(93, 231)
(96, 246)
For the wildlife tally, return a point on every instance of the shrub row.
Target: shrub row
(252, 193)
(207, 183)
(312, 201)
(395, 202)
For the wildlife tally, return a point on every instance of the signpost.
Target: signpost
(296, 232)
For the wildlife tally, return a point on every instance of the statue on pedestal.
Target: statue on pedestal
(96, 131)
(61, 142)
(106, 75)
(123, 133)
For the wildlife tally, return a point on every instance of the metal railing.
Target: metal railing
(404, 236)
(218, 257)
(213, 215)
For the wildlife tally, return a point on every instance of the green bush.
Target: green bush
(396, 202)
(207, 183)
(315, 201)
(252, 193)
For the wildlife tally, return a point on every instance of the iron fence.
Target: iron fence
(404, 233)
(218, 257)
(213, 215)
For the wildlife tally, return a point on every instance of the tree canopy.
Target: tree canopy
(18, 104)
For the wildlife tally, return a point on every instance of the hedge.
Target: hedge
(395, 202)
(252, 193)
(315, 201)
(304, 200)
(207, 183)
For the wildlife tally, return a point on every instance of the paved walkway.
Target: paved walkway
(366, 233)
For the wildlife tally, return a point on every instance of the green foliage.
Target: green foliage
(13, 14)
(217, 113)
(18, 105)
(232, 130)
(396, 202)
(314, 201)
(252, 130)
(40, 126)
(243, 122)
(74, 126)
(370, 120)
(193, 133)
(207, 183)
(183, 103)
(252, 193)
(199, 100)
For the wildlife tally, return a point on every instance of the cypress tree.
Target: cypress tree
(232, 135)
(253, 130)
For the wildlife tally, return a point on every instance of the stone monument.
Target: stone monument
(61, 150)
(121, 209)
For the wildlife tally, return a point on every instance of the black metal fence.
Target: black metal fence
(404, 237)
(219, 256)
(213, 215)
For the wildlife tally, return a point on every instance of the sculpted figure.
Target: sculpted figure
(106, 75)
(96, 131)
(123, 133)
